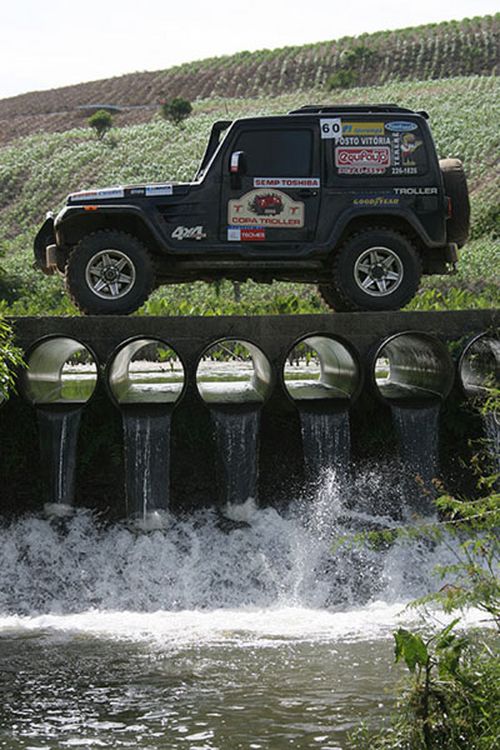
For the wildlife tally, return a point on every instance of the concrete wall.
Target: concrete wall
(100, 454)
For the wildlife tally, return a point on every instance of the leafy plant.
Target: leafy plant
(101, 121)
(176, 110)
(344, 78)
(453, 699)
(10, 358)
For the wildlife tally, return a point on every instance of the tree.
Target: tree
(176, 110)
(101, 121)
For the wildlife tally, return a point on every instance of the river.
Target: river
(249, 630)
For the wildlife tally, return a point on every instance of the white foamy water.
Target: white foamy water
(248, 558)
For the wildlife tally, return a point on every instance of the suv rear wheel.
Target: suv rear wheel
(376, 269)
(109, 273)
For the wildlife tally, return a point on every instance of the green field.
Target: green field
(37, 172)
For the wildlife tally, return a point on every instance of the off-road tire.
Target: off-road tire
(399, 246)
(455, 186)
(92, 246)
(330, 294)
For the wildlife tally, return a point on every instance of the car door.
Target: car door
(270, 192)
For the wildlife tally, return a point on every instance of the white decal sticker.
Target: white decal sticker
(102, 194)
(153, 190)
(287, 182)
(188, 233)
(331, 128)
(267, 208)
(416, 191)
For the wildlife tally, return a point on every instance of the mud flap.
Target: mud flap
(44, 238)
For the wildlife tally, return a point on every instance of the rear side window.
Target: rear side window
(272, 153)
(392, 148)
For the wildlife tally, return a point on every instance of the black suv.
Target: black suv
(352, 198)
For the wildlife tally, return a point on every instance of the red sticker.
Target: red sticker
(252, 235)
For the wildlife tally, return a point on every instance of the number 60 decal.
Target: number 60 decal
(331, 128)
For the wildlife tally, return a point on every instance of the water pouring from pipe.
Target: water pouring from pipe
(60, 378)
(146, 380)
(479, 373)
(413, 374)
(322, 377)
(234, 378)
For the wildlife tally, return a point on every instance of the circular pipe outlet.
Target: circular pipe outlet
(60, 370)
(321, 367)
(479, 367)
(234, 371)
(413, 368)
(145, 371)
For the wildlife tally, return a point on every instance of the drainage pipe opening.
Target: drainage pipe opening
(479, 367)
(60, 370)
(145, 371)
(233, 371)
(413, 368)
(320, 367)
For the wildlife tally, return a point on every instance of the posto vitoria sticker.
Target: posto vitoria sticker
(266, 208)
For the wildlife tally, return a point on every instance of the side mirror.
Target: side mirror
(238, 163)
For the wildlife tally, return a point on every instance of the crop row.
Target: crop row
(469, 47)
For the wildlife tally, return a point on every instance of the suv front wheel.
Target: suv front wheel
(376, 269)
(109, 273)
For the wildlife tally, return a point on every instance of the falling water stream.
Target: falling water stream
(236, 439)
(326, 440)
(418, 437)
(491, 422)
(58, 436)
(147, 459)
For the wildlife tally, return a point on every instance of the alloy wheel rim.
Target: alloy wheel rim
(378, 271)
(110, 274)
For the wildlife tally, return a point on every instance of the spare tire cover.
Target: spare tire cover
(455, 185)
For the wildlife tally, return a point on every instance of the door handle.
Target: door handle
(307, 193)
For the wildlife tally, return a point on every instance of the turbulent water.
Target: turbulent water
(248, 629)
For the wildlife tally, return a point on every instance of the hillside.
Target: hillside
(38, 171)
(436, 51)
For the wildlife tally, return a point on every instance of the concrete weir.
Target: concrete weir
(268, 377)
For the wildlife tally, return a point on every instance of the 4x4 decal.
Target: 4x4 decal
(267, 208)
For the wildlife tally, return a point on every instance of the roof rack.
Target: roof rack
(316, 109)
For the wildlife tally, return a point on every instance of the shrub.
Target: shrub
(344, 78)
(10, 358)
(176, 110)
(101, 121)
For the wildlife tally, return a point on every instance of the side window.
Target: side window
(277, 153)
(392, 148)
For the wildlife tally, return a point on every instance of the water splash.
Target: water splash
(277, 560)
